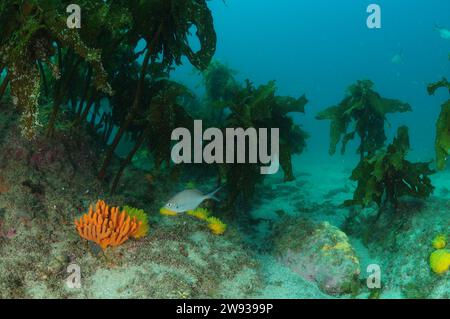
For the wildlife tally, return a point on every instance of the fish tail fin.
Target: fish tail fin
(211, 195)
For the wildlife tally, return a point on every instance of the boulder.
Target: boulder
(320, 253)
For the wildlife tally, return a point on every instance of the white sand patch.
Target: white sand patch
(114, 283)
(281, 282)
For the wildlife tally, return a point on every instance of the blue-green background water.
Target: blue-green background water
(320, 47)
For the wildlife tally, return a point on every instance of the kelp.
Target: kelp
(83, 67)
(433, 87)
(167, 113)
(260, 107)
(244, 105)
(105, 27)
(29, 31)
(164, 113)
(36, 31)
(365, 110)
(386, 176)
(100, 63)
(442, 142)
(165, 25)
(176, 19)
(220, 83)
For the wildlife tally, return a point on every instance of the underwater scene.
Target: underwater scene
(224, 149)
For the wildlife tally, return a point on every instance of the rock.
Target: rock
(320, 253)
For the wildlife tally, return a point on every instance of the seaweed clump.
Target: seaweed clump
(120, 56)
(29, 31)
(166, 33)
(260, 107)
(387, 176)
(442, 143)
(220, 83)
(367, 110)
(153, 128)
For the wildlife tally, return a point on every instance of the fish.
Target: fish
(397, 59)
(443, 32)
(188, 199)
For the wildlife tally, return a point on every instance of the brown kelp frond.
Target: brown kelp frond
(176, 20)
(442, 142)
(367, 110)
(387, 176)
(219, 82)
(260, 107)
(30, 37)
(165, 27)
(433, 87)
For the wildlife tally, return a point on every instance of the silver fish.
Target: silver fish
(188, 199)
(443, 32)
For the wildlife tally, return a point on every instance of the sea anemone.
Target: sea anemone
(141, 217)
(107, 226)
(216, 226)
(200, 213)
(440, 261)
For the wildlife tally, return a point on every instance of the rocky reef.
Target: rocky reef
(320, 253)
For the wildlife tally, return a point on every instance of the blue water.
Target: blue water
(320, 47)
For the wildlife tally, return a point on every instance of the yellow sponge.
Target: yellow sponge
(199, 213)
(440, 261)
(216, 226)
(167, 212)
(440, 241)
